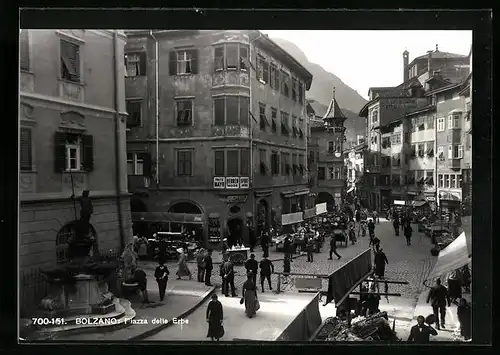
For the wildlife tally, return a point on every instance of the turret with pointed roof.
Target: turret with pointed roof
(334, 117)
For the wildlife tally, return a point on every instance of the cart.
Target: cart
(238, 256)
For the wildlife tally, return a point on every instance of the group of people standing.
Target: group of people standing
(402, 221)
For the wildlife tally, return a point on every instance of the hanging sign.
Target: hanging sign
(219, 182)
(291, 218)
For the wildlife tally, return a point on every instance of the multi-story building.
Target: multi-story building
(221, 117)
(72, 138)
(398, 115)
(466, 92)
(326, 144)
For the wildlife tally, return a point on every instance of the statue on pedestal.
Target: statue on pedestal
(80, 245)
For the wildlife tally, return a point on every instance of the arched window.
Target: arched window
(67, 231)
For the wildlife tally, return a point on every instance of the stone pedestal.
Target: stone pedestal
(85, 293)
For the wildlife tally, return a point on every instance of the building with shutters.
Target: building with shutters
(72, 112)
(216, 132)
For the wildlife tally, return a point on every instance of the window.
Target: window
(294, 89)
(285, 129)
(295, 167)
(446, 181)
(430, 149)
(321, 173)
(295, 131)
(420, 124)
(396, 160)
(440, 181)
(73, 152)
(231, 57)
(420, 177)
(454, 120)
(184, 112)
(26, 163)
(232, 162)
(411, 177)
(24, 50)
(285, 88)
(459, 181)
(70, 61)
(301, 93)
(135, 164)
(263, 161)
(375, 116)
(184, 163)
(429, 178)
(430, 122)
(421, 149)
(134, 118)
(331, 173)
(136, 64)
(272, 76)
(73, 156)
(274, 114)
(338, 173)
(301, 163)
(284, 163)
(458, 151)
(231, 110)
(440, 152)
(331, 147)
(450, 152)
(219, 163)
(374, 138)
(453, 181)
(244, 162)
(262, 70)
(386, 142)
(275, 163)
(186, 62)
(440, 124)
(262, 117)
(301, 124)
(386, 162)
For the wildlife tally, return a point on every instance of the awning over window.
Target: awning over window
(166, 217)
(454, 256)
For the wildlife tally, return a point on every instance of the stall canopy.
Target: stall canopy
(166, 217)
(454, 256)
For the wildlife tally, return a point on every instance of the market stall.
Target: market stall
(238, 255)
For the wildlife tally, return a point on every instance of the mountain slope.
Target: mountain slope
(321, 90)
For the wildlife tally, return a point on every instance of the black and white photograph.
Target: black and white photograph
(221, 185)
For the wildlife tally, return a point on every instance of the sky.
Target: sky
(364, 59)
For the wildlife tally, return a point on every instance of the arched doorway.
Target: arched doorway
(234, 231)
(262, 216)
(328, 198)
(187, 207)
(62, 237)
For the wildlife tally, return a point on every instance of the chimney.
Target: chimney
(406, 73)
(429, 62)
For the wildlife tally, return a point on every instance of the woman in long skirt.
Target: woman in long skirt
(183, 269)
(250, 296)
(214, 318)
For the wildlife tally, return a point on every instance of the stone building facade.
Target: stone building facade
(72, 109)
(229, 110)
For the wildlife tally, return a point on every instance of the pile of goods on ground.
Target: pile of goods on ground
(375, 327)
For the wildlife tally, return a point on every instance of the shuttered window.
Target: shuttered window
(26, 150)
(70, 61)
(232, 162)
(232, 110)
(219, 111)
(24, 50)
(184, 162)
(219, 163)
(244, 162)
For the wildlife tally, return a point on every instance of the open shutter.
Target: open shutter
(25, 143)
(142, 63)
(265, 71)
(194, 61)
(59, 152)
(146, 167)
(88, 152)
(24, 50)
(172, 63)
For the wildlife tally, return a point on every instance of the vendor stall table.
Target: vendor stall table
(238, 256)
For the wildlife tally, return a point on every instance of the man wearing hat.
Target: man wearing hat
(266, 269)
(209, 266)
(252, 265)
(228, 272)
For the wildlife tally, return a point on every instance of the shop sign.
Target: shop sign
(236, 199)
(244, 182)
(232, 182)
(321, 208)
(291, 218)
(219, 182)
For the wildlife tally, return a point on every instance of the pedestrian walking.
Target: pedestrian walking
(375, 216)
(229, 279)
(161, 276)
(420, 333)
(395, 224)
(333, 248)
(408, 232)
(438, 296)
(265, 244)
(310, 249)
(252, 265)
(200, 262)
(266, 269)
(140, 277)
(371, 228)
(249, 297)
(464, 317)
(215, 316)
(183, 269)
(252, 238)
(375, 243)
(380, 262)
(466, 278)
(288, 247)
(209, 266)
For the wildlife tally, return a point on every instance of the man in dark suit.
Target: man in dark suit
(228, 270)
(421, 332)
(438, 295)
(266, 269)
(209, 266)
(252, 265)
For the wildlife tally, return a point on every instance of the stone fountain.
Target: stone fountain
(79, 295)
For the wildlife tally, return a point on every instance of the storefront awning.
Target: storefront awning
(166, 217)
(295, 192)
(291, 218)
(454, 256)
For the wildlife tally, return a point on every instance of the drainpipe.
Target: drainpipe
(157, 114)
(116, 76)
